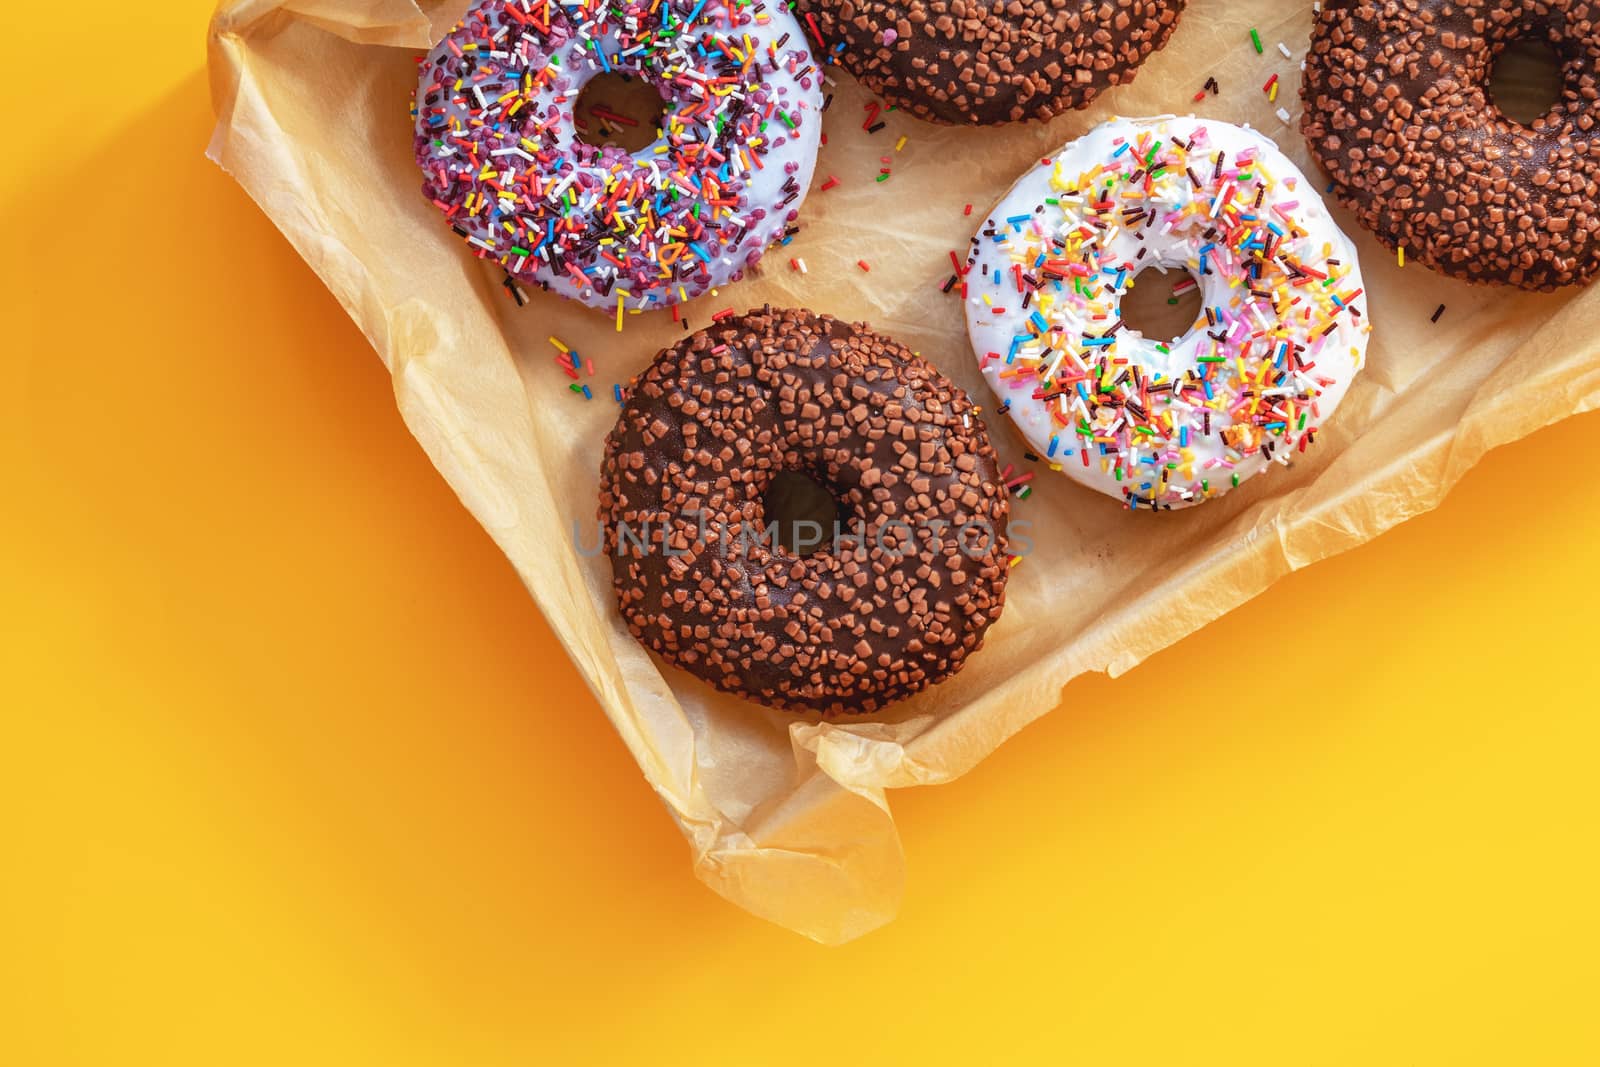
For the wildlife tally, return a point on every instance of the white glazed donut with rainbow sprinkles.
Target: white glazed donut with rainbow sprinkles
(1166, 425)
(496, 141)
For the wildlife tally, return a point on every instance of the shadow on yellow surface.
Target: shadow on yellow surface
(299, 774)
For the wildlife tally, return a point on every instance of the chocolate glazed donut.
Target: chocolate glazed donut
(1398, 113)
(986, 62)
(894, 605)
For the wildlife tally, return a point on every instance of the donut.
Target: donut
(496, 142)
(1164, 424)
(984, 64)
(915, 570)
(1398, 113)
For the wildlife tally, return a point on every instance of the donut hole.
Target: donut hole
(803, 512)
(1525, 83)
(615, 109)
(1161, 305)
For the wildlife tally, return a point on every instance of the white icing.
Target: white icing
(570, 56)
(1177, 462)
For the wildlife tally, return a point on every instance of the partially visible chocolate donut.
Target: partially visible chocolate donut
(1398, 113)
(987, 62)
(894, 604)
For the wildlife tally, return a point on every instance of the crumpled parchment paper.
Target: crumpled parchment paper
(784, 816)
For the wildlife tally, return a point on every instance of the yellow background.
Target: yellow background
(243, 823)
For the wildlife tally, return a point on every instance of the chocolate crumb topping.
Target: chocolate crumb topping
(1398, 113)
(986, 62)
(894, 605)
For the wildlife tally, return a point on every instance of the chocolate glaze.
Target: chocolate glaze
(849, 628)
(1398, 113)
(986, 63)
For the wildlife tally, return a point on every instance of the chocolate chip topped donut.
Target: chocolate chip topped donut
(1398, 113)
(915, 571)
(986, 62)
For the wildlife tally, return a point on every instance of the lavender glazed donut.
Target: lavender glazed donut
(496, 142)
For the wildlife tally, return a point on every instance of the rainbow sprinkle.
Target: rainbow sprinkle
(1281, 313)
(494, 113)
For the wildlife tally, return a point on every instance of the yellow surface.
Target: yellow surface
(244, 823)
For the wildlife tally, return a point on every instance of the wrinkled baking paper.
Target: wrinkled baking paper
(788, 817)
